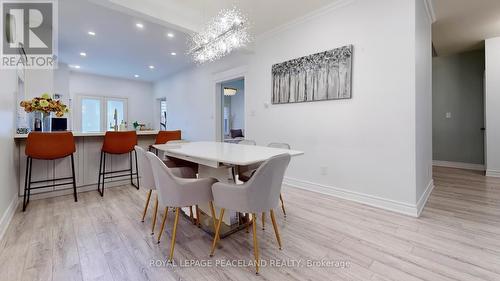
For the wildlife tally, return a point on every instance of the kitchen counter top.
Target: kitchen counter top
(94, 134)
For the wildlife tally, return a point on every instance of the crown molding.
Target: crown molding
(429, 7)
(305, 18)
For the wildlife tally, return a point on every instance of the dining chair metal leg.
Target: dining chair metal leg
(212, 211)
(282, 205)
(165, 215)
(263, 220)
(255, 243)
(147, 205)
(198, 221)
(174, 233)
(154, 215)
(191, 214)
(217, 232)
(248, 222)
(275, 226)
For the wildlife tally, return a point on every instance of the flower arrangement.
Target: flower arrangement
(45, 104)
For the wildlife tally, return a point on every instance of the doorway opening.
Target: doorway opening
(458, 111)
(232, 113)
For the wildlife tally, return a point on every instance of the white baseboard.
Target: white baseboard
(493, 173)
(374, 201)
(459, 165)
(8, 215)
(425, 196)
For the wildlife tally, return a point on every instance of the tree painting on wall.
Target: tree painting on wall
(322, 76)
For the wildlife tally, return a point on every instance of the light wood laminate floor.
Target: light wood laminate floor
(456, 238)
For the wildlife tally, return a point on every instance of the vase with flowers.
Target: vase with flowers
(41, 108)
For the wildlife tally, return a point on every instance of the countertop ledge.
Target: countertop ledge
(94, 134)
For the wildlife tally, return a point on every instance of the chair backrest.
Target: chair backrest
(264, 186)
(177, 141)
(165, 136)
(119, 142)
(49, 146)
(165, 182)
(279, 145)
(247, 142)
(145, 171)
(237, 133)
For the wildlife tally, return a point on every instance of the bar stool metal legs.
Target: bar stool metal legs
(52, 182)
(129, 172)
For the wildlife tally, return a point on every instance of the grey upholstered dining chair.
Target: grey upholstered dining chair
(247, 142)
(176, 192)
(246, 173)
(279, 145)
(258, 195)
(147, 180)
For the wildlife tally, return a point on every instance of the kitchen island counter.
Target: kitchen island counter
(87, 156)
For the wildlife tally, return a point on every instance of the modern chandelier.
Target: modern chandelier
(229, 30)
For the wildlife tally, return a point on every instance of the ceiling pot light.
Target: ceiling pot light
(151, 67)
(170, 35)
(91, 33)
(74, 66)
(136, 75)
(173, 53)
(228, 31)
(229, 92)
(83, 54)
(139, 25)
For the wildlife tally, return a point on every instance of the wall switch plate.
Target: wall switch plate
(448, 115)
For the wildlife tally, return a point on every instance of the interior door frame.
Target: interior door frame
(218, 79)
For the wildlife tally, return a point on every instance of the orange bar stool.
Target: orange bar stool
(48, 146)
(117, 143)
(165, 136)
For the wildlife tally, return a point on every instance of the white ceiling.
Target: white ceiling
(119, 48)
(193, 14)
(463, 25)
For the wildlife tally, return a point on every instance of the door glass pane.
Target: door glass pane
(163, 116)
(118, 107)
(91, 115)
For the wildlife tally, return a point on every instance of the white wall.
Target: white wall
(191, 99)
(139, 94)
(423, 102)
(364, 148)
(492, 103)
(8, 159)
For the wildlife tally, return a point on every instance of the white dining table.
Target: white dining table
(216, 159)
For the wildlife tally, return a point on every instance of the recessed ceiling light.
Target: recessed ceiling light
(74, 66)
(139, 25)
(83, 54)
(136, 75)
(151, 67)
(91, 33)
(173, 53)
(171, 35)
